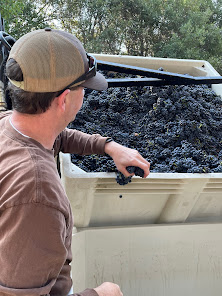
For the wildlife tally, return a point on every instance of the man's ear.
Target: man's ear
(61, 99)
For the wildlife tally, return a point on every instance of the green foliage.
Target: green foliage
(197, 34)
(22, 17)
(189, 29)
(9, 8)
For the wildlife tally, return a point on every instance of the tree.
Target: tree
(22, 17)
(95, 23)
(139, 24)
(189, 29)
(197, 34)
(9, 9)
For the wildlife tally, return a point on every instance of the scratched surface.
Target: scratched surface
(160, 260)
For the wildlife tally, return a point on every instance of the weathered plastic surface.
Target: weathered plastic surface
(158, 260)
(97, 200)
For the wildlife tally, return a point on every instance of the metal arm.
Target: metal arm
(159, 77)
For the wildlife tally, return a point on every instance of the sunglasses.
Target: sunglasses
(89, 74)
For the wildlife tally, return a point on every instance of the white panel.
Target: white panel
(159, 260)
(97, 200)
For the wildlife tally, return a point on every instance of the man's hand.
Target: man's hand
(124, 157)
(108, 289)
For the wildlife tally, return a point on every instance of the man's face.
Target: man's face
(77, 96)
(74, 103)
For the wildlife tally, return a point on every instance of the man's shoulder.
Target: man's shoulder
(29, 176)
(17, 177)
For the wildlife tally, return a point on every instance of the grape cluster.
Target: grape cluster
(122, 180)
(136, 170)
(176, 128)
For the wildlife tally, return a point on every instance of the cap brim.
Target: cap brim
(97, 82)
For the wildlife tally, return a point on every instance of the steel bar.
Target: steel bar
(125, 82)
(158, 77)
(128, 69)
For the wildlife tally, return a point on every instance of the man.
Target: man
(47, 70)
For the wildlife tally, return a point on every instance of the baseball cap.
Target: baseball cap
(53, 60)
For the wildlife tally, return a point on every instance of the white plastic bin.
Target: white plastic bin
(159, 236)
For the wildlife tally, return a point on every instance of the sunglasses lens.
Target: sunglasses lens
(91, 61)
(92, 67)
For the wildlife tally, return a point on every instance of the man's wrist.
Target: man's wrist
(109, 146)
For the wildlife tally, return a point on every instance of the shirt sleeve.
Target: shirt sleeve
(33, 251)
(77, 142)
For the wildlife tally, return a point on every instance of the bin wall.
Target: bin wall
(160, 198)
(167, 260)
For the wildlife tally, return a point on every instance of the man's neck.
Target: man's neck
(40, 127)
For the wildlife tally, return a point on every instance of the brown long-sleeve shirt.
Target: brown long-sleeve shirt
(35, 216)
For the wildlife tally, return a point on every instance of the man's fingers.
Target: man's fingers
(143, 166)
(126, 173)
